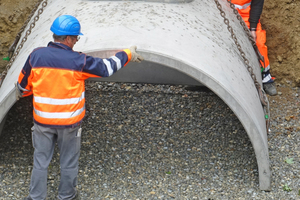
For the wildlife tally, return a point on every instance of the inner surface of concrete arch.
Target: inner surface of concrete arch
(158, 70)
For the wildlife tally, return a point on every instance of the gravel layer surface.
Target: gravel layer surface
(144, 141)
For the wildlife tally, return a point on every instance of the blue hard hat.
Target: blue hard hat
(66, 25)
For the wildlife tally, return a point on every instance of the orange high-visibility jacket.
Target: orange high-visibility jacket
(55, 76)
(250, 10)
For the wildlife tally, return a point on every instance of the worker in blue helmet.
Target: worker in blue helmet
(55, 76)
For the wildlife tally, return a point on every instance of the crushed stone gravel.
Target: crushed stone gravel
(143, 141)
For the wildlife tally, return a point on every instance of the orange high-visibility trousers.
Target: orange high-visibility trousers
(261, 35)
(260, 43)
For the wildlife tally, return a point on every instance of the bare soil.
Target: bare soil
(280, 19)
(13, 14)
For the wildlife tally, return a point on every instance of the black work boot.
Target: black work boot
(270, 88)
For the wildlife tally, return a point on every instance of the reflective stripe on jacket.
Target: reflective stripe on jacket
(241, 4)
(55, 76)
(241, 7)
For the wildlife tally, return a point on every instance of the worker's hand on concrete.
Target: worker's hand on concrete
(18, 92)
(135, 57)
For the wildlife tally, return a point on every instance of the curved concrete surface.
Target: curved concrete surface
(182, 43)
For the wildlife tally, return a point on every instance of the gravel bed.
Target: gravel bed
(143, 141)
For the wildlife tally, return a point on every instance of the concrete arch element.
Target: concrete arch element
(182, 43)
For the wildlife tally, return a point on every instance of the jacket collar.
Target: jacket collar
(58, 45)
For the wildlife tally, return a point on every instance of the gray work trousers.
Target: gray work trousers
(44, 140)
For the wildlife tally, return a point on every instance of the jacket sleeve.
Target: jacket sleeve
(24, 81)
(255, 12)
(106, 67)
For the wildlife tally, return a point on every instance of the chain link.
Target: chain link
(261, 92)
(12, 51)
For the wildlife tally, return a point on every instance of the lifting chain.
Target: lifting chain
(261, 93)
(13, 51)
